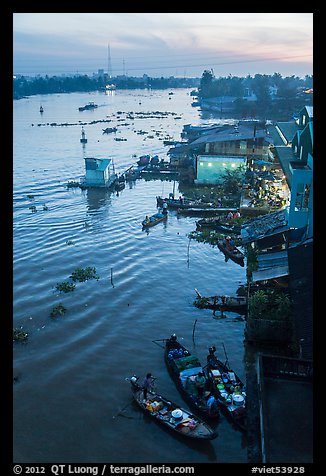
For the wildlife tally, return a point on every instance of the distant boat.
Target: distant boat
(110, 87)
(90, 105)
(41, 109)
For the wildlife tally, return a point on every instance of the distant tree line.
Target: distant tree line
(274, 93)
(29, 86)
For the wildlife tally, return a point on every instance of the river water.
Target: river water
(70, 375)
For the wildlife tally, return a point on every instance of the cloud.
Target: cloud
(148, 40)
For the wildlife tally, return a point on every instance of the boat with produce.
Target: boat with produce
(87, 107)
(154, 219)
(231, 251)
(217, 224)
(222, 303)
(188, 375)
(169, 414)
(228, 389)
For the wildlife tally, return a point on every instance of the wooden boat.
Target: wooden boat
(90, 105)
(184, 368)
(200, 212)
(108, 130)
(232, 252)
(144, 160)
(119, 185)
(154, 219)
(222, 303)
(169, 414)
(228, 389)
(180, 203)
(217, 225)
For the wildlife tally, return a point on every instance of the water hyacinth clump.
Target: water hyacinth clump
(19, 335)
(58, 310)
(65, 287)
(83, 274)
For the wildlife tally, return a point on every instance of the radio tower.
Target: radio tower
(109, 62)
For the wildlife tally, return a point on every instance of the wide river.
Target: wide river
(70, 377)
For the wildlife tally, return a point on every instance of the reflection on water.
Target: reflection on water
(72, 370)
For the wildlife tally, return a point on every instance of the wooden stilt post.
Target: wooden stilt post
(112, 277)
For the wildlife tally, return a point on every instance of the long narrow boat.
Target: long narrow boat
(200, 212)
(217, 225)
(185, 369)
(154, 219)
(169, 414)
(228, 389)
(232, 252)
(183, 203)
(222, 303)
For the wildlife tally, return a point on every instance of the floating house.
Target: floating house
(210, 168)
(98, 173)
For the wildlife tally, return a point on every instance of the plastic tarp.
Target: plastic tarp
(192, 371)
(187, 362)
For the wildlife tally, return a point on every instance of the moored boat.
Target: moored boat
(222, 303)
(231, 251)
(228, 389)
(144, 160)
(218, 225)
(180, 203)
(187, 373)
(169, 414)
(154, 219)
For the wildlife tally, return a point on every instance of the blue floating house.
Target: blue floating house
(98, 172)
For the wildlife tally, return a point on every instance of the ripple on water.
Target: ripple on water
(72, 370)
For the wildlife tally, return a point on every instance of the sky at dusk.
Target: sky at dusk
(163, 44)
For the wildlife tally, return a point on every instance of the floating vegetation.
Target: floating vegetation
(19, 335)
(83, 274)
(65, 287)
(211, 237)
(58, 310)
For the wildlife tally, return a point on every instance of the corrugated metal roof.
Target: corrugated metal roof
(270, 273)
(232, 134)
(272, 260)
(264, 225)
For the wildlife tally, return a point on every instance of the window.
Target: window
(243, 144)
